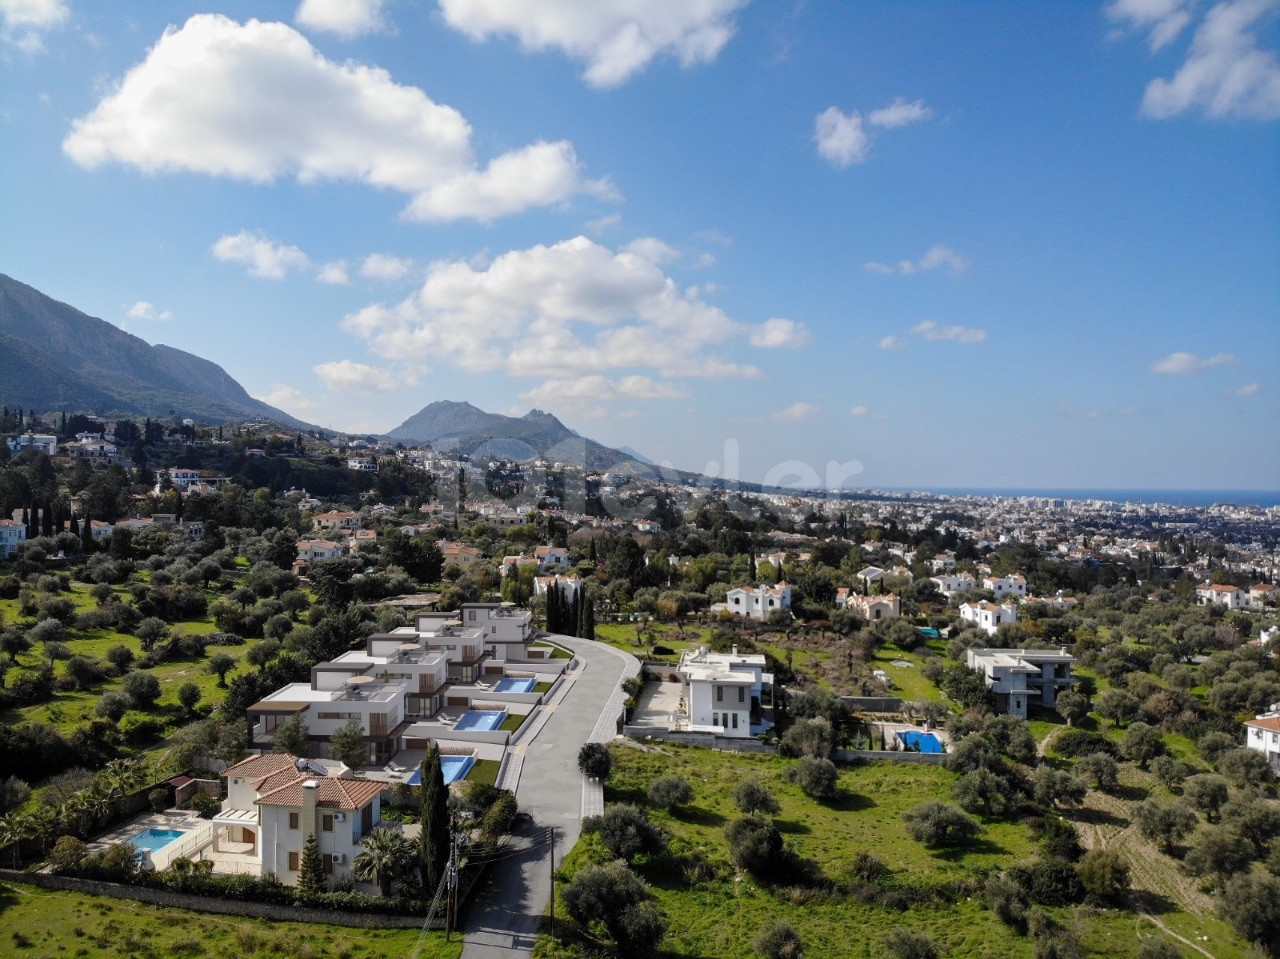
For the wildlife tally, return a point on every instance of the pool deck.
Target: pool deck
(179, 819)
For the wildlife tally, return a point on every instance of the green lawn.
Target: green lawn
(909, 682)
(40, 923)
(711, 913)
(484, 771)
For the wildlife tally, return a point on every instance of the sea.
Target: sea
(1172, 497)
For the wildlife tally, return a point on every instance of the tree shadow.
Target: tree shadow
(978, 846)
(846, 801)
(792, 826)
(1130, 793)
(1095, 817)
(697, 816)
(1144, 900)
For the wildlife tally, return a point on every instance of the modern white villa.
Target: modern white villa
(720, 691)
(1021, 678)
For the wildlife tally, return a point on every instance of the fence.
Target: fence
(189, 844)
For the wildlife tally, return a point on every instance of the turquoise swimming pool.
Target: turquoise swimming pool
(515, 685)
(452, 767)
(153, 840)
(480, 719)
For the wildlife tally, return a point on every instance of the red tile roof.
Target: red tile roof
(330, 792)
(1266, 722)
(255, 767)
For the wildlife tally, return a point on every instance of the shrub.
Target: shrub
(755, 845)
(1102, 770)
(112, 706)
(1054, 787)
(627, 832)
(778, 940)
(595, 761)
(938, 824)
(615, 897)
(808, 737)
(68, 855)
(1104, 876)
(868, 868)
(638, 930)
(1058, 837)
(910, 944)
(752, 796)
(817, 778)
(1158, 947)
(1252, 906)
(1007, 898)
(670, 792)
(1081, 742)
(1049, 881)
(143, 689)
(121, 657)
(500, 815)
(206, 806)
(1243, 767)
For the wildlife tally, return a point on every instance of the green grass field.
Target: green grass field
(714, 914)
(42, 924)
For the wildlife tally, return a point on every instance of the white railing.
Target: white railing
(191, 843)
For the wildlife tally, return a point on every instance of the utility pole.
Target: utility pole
(451, 875)
(553, 880)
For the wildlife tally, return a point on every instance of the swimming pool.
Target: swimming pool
(928, 632)
(921, 742)
(453, 767)
(515, 686)
(153, 840)
(480, 719)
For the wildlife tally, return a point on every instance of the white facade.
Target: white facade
(41, 442)
(875, 608)
(1262, 735)
(954, 585)
(720, 690)
(760, 602)
(1021, 678)
(988, 616)
(12, 532)
(1002, 586)
(1232, 597)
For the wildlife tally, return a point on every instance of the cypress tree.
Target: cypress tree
(575, 614)
(588, 615)
(74, 528)
(86, 535)
(433, 841)
(46, 520)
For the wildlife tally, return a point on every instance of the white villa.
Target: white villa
(757, 602)
(1023, 677)
(875, 608)
(274, 803)
(1262, 735)
(954, 585)
(1015, 585)
(720, 690)
(988, 616)
(40, 442)
(1216, 594)
(12, 532)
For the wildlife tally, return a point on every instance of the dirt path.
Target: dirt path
(1054, 733)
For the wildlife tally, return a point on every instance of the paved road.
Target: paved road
(507, 909)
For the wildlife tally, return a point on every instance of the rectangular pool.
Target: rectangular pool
(921, 742)
(515, 686)
(453, 768)
(153, 840)
(481, 719)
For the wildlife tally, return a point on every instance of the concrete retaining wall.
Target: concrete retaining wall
(225, 907)
(873, 704)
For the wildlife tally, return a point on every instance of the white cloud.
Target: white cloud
(840, 137)
(1226, 74)
(899, 113)
(652, 249)
(257, 102)
(1249, 389)
(796, 412)
(142, 310)
(346, 376)
(562, 313)
(1181, 364)
(936, 333)
(937, 255)
(288, 399)
(335, 273)
(1164, 18)
(614, 38)
(21, 21)
(780, 332)
(263, 257)
(601, 225)
(383, 266)
(891, 342)
(859, 411)
(595, 388)
(346, 18)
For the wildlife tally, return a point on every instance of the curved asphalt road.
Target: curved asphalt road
(507, 908)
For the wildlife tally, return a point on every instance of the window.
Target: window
(715, 719)
(742, 694)
(735, 720)
(326, 823)
(366, 818)
(719, 694)
(293, 820)
(293, 862)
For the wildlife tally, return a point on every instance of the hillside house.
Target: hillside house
(1221, 594)
(1023, 678)
(987, 616)
(952, 585)
(1002, 586)
(758, 603)
(12, 532)
(1262, 735)
(875, 608)
(723, 693)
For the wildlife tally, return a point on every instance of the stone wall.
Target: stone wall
(225, 907)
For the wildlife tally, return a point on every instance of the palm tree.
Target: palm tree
(99, 805)
(387, 854)
(14, 828)
(43, 822)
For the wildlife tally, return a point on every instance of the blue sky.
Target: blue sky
(883, 244)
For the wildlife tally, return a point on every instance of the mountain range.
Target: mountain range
(54, 357)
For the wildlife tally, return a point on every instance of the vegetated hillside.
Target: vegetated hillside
(54, 357)
(448, 425)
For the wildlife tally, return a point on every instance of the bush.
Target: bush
(1074, 743)
(670, 792)
(778, 940)
(159, 798)
(500, 815)
(1243, 767)
(755, 845)
(938, 824)
(627, 832)
(638, 930)
(143, 689)
(68, 855)
(817, 778)
(1007, 898)
(1252, 906)
(752, 796)
(121, 657)
(1057, 837)
(206, 806)
(595, 761)
(910, 944)
(1049, 881)
(112, 706)
(615, 897)
(1158, 947)
(1104, 876)
(808, 737)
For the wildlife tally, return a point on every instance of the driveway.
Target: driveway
(507, 908)
(659, 706)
